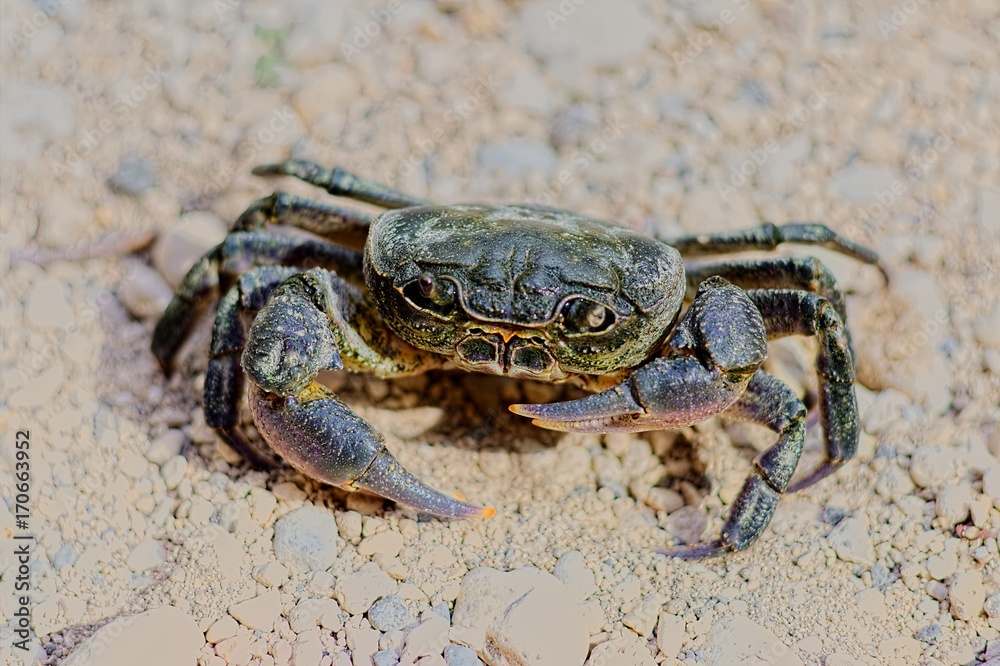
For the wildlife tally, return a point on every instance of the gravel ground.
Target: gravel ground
(154, 544)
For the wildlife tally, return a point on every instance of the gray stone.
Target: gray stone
(389, 614)
(134, 177)
(459, 655)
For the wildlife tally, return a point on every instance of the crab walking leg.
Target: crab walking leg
(708, 361)
(237, 253)
(341, 225)
(313, 321)
(802, 313)
(770, 403)
(805, 274)
(340, 183)
(769, 236)
(224, 380)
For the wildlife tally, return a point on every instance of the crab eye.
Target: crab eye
(427, 292)
(582, 315)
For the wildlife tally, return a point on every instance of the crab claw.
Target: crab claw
(321, 437)
(613, 408)
(669, 392)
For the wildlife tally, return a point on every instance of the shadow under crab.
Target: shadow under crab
(519, 291)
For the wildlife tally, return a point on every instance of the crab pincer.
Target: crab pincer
(321, 437)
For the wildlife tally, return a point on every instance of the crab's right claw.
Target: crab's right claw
(321, 437)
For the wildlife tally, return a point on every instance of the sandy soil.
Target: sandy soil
(120, 120)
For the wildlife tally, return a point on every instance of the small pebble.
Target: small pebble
(223, 628)
(389, 614)
(134, 177)
(932, 465)
(687, 524)
(385, 658)
(149, 554)
(967, 595)
(167, 445)
(387, 543)
(357, 591)
(669, 633)
(627, 650)
(852, 542)
(349, 524)
(143, 291)
(953, 503)
(176, 251)
(307, 539)
(459, 655)
(574, 573)
(426, 639)
(260, 612)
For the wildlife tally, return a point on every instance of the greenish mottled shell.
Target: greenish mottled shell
(514, 266)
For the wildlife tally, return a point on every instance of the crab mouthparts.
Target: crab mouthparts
(506, 353)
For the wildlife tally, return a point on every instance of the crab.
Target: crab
(522, 291)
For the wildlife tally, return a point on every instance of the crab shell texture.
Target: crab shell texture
(511, 275)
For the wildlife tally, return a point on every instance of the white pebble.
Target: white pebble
(194, 234)
(967, 595)
(670, 634)
(627, 650)
(953, 503)
(223, 628)
(306, 539)
(426, 639)
(163, 637)
(143, 291)
(272, 574)
(357, 591)
(260, 612)
(386, 543)
(167, 445)
(932, 465)
(739, 640)
(574, 573)
(527, 615)
(942, 565)
(149, 554)
(851, 541)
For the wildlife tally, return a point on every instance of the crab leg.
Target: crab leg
(770, 403)
(802, 313)
(768, 236)
(340, 183)
(224, 380)
(341, 225)
(237, 253)
(709, 360)
(314, 321)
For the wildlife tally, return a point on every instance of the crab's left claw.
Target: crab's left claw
(323, 438)
(666, 393)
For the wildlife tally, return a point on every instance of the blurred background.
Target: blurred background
(132, 128)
